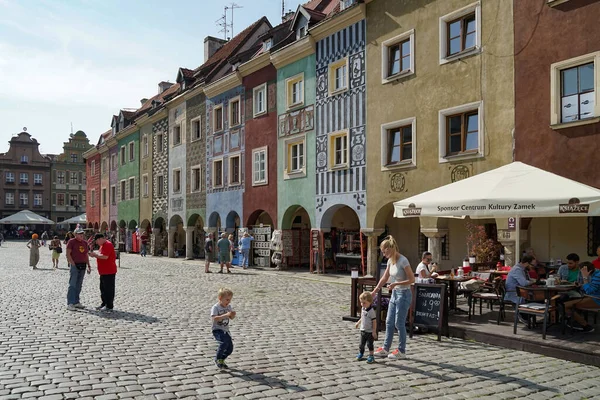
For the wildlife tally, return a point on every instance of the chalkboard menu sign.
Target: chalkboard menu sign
(428, 307)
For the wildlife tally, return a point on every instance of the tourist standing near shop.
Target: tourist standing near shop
(401, 276)
(224, 247)
(34, 251)
(221, 313)
(208, 252)
(143, 243)
(245, 244)
(107, 269)
(231, 247)
(56, 248)
(77, 256)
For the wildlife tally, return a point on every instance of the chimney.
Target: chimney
(211, 45)
(143, 101)
(162, 86)
(288, 16)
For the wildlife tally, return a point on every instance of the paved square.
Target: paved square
(290, 342)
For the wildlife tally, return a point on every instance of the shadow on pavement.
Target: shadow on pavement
(275, 383)
(124, 315)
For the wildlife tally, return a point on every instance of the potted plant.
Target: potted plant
(480, 246)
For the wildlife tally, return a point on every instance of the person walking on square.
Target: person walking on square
(224, 247)
(107, 269)
(231, 247)
(78, 259)
(221, 313)
(44, 238)
(208, 252)
(143, 242)
(34, 251)
(56, 248)
(368, 327)
(402, 276)
(245, 243)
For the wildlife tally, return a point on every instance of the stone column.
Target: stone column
(372, 235)
(189, 243)
(154, 241)
(434, 242)
(171, 242)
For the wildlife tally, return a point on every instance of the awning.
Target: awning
(26, 217)
(79, 219)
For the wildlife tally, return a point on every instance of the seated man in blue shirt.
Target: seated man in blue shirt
(591, 287)
(518, 277)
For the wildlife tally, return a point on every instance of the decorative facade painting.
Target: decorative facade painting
(298, 121)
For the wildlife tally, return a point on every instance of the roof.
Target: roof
(128, 113)
(161, 97)
(323, 6)
(187, 73)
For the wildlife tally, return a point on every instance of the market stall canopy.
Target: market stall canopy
(26, 217)
(80, 219)
(516, 189)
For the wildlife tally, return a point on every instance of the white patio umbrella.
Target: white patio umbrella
(26, 217)
(514, 190)
(79, 219)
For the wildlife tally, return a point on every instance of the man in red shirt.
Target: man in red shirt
(77, 257)
(107, 268)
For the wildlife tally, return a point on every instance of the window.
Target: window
(460, 33)
(145, 144)
(37, 179)
(60, 177)
(218, 119)
(113, 195)
(93, 197)
(113, 162)
(24, 177)
(9, 199)
(234, 170)
(122, 192)
(24, 199)
(103, 166)
(74, 180)
(259, 166)
(145, 185)
(234, 112)
(93, 168)
(10, 177)
(398, 57)
(593, 236)
(131, 151)
(122, 155)
(60, 199)
(83, 201)
(131, 188)
(338, 154)
(24, 159)
(176, 181)
(398, 144)
(445, 245)
(73, 157)
(82, 178)
(73, 200)
(159, 143)
(176, 135)
(160, 185)
(574, 99)
(196, 128)
(460, 131)
(104, 197)
(301, 32)
(196, 179)
(267, 44)
(259, 95)
(295, 91)
(295, 157)
(217, 173)
(338, 76)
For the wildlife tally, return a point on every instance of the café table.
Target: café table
(452, 284)
(542, 292)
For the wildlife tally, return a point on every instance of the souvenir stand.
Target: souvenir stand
(349, 249)
(260, 253)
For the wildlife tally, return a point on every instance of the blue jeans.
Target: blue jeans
(396, 317)
(75, 283)
(143, 250)
(225, 344)
(245, 257)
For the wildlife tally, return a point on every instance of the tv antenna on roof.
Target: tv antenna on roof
(231, 7)
(222, 22)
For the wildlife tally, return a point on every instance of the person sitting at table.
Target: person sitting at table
(570, 272)
(591, 286)
(531, 272)
(424, 271)
(596, 262)
(517, 276)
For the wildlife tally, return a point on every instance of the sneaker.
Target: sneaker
(396, 355)
(71, 307)
(588, 329)
(381, 352)
(223, 364)
(79, 305)
(220, 364)
(577, 327)
(522, 320)
(101, 307)
(359, 357)
(370, 359)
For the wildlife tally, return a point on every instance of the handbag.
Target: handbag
(58, 250)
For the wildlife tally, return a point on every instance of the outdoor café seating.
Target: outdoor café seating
(490, 293)
(538, 302)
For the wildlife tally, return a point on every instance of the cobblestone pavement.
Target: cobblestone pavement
(290, 342)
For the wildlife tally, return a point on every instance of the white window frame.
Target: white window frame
(196, 170)
(443, 33)
(93, 168)
(259, 89)
(174, 130)
(214, 161)
(292, 141)
(230, 109)
(12, 177)
(145, 145)
(555, 90)
(131, 151)
(12, 198)
(478, 105)
(93, 200)
(122, 156)
(24, 175)
(113, 195)
(214, 119)
(123, 189)
(38, 181)
(289, 83)
(384, 133)
(24, 159)
(160, 147)
(83, 200)
(256, 151)
(145, 184)
(332, 150)
(132, 179)
(176, 180)
(23, 199)
(37, 196)
(385, 56)
(160, 188)
(230, 173)
(193, 122)
(60, 175)
(64, 199)
(333, 67)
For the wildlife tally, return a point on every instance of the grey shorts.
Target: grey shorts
(224, 257)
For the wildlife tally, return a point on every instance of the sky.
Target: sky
(78, 62)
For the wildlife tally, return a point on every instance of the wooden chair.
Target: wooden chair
(492, 292)
(538, 304)
(594, 310)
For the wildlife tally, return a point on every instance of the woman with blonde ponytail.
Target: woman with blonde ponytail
(401, 276)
